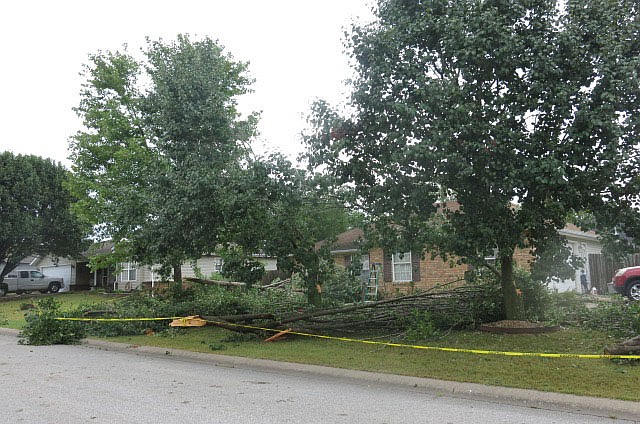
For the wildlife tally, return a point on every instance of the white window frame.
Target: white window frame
(402, 259)
(217, 264)
(129, 268)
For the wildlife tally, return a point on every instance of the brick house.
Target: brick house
(402, 272)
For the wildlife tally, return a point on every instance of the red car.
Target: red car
(627, 282)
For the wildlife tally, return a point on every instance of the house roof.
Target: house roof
(571, 230)
(349, 241)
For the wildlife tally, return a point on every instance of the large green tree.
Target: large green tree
(35, 211)
(521, 111)
(163, 138)
(283, 211)
(302, 212)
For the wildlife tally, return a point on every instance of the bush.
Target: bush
(176, 301)
(42, 327)
(535, 295)
(489, 305)
(421, 326)
(340, 287)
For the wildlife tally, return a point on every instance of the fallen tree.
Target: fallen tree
(389, 314)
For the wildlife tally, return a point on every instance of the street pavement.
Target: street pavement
(104, 382)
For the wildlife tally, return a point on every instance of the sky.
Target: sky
(295, 49)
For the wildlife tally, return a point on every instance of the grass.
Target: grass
(12, 307)
(587, 377)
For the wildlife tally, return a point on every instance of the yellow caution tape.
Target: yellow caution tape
(118, 319)
(442, 349)
(373, 342)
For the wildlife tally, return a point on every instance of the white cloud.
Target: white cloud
(295, 49)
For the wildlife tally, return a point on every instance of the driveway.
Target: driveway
(104, 382)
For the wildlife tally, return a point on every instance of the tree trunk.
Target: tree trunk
(8, 267)
(513, 307)
(177, 274)
(314, 297)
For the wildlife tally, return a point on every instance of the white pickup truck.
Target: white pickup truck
(27, 280)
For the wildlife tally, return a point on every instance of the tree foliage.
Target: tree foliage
(35, 213)
(287, 212)
(303, 213)
(522, 112)
(153, 167)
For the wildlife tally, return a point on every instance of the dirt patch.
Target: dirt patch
(517, 327)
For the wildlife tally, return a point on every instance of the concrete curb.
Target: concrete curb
(600, 407)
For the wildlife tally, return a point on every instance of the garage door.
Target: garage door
(62, 271)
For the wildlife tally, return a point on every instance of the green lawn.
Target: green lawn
(589, 377)
(13, 307)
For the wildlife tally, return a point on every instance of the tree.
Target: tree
(522, 112)
(285, 213)
(35, 214)
(151, 167)
(302, 213)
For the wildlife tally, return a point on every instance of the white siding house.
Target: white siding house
(581, 244)
(132, 276)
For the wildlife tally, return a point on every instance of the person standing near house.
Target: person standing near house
(584, 283)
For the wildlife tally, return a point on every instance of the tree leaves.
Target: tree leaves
(492, 103)
(35, 213)
(151, 167)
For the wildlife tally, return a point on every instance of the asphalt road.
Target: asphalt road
(112, 383)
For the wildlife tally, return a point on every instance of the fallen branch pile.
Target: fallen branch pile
(388, 315)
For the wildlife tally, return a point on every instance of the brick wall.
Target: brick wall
(432, 273)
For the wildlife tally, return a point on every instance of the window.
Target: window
(129, 271)
(365, 262)
(24, 274)
(401, 267)
(217, 264)
(36, 274)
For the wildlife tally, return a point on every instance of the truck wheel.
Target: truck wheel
(3, 290)
(54, 287)
(633, 290)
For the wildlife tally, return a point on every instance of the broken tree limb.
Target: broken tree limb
(389, 314)
(275, 285)
(238, 318)
(215, 282)
(359, 306)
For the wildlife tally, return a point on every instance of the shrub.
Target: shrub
(535, 295)
(340, 287)
(489, 305)
(42, 327)
(421, 326)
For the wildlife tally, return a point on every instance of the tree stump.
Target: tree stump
(627, 347)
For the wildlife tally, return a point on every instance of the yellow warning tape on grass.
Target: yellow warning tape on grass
(118, 319)
(373, 342)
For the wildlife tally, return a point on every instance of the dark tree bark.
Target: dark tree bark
(513, 307)
(177, 274)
